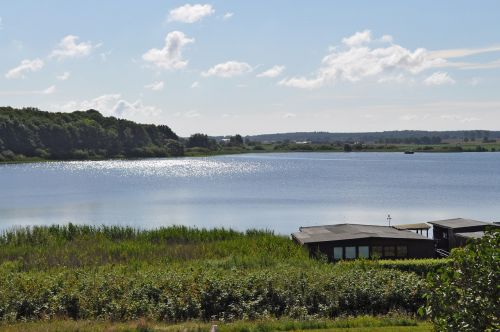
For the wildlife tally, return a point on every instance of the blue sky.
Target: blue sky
(225, 67)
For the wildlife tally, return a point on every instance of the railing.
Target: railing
(442, 253)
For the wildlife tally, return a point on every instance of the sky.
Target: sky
(253, 67)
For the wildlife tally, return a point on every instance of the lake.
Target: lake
(278, 191)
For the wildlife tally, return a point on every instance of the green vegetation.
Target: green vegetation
(125, 279)
(419, 266)
(30, 134)
(390, 323)
(465, 296)
(177, 274)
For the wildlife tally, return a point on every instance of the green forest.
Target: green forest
(35, 134)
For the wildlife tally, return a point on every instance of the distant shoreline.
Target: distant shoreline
(271, 148)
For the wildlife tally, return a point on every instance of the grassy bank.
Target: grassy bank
(352, 324)
(179, 274)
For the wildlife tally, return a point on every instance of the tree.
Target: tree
(347, 148)
(198, 140)
(236, 140)
(465, 296)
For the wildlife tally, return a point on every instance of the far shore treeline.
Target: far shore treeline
(29, 134)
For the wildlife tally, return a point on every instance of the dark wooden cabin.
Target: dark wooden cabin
(453, 233)
(350, 241)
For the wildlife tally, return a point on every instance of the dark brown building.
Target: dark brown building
(452, 233)
(350, 241)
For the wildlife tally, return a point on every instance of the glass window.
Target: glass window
(363, 252)
(402, 251)
(350, 252)
(389, 251)
(376, 252)
(337, 253)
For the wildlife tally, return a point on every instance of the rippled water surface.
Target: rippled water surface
(276, 191)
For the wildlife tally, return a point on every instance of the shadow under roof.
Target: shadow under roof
(459, 223)
(341, 232)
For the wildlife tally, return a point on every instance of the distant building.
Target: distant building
(351, 241)
(452, 233)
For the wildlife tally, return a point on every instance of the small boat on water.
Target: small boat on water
(409, 152)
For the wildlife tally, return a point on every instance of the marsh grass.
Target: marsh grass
(43, 248)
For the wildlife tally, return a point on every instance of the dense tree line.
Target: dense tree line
(372, 137)
(80, 135)
(411, 140)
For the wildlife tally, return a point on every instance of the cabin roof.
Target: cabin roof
(459, 223)
(471, 235)
(339, 232)
(422, 225)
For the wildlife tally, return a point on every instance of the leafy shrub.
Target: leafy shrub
(464, 296)
(166, 294)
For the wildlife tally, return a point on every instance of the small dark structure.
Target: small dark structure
(453, 233)
(418, 228)
(350, 241)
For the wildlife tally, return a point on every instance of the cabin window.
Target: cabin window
(389, 251)
(350, 252)
(376, 252)
(363, 252)
(445, 235)
(402, 251)
(337, 253)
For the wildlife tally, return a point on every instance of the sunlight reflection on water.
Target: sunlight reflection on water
(195, 167)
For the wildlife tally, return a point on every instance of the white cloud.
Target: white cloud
(155, 86)
(439, 78)
(400, 78)
(69, 48)
(195, 84)
(275, 71)
(104, 55)
(386, 39)
(24, 67)
(113, 105)
(228, 69)
(359, 38)
(357, 60)
(463, 52)
(190, 13)
(289, 115)
(1, 23)
(50, 90)
(227, 15)
(170, 56)
(64, 76)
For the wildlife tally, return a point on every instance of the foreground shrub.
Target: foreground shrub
(163, 294)
(465, 296)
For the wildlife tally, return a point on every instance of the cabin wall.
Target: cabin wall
(395, 248)
(446, 238)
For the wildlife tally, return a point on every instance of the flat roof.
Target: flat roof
(339, 232)
(421, 225)
(471, 235)
(459, 223)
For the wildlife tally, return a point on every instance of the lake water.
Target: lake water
(279, 191)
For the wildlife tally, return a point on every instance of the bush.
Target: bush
(464, 296)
